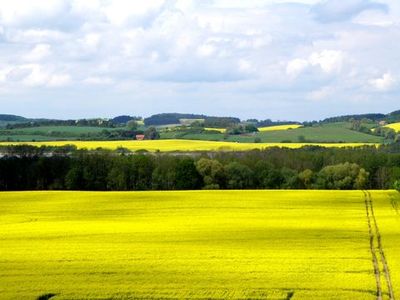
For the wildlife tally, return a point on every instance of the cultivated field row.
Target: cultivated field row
(200, 244)
(182, 145)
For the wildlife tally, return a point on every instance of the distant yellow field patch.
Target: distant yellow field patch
(181, 145)
(279, 127)
(394, 126)
(221, 130)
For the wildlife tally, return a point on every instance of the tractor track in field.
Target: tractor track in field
(376, 248)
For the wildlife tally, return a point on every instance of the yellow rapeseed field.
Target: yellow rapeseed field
(394, 126)
(197, 244)
(180, 145)
(279, 127)
(221, 130)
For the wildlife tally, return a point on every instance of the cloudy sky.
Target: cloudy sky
(297, 60)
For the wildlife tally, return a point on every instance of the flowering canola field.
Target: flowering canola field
(199, 244)
(221, 130)
(394, 126)
(279, 127)
(179, 145)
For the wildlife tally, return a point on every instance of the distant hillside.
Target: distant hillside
(174, 118)
(390, 117)
(347, 118)
(169, 118)
(12, 118)
(123, 119)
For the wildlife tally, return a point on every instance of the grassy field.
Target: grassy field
(394, 126)
(66, 129)
(327, 133)
(196, 244)
(30, 138)
(279, 127)
(179, 145)
(49, 133)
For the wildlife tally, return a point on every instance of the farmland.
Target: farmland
(394, 126)
(203, 244)
(44, 133)
(326, 133)
(279, 127)
(178, 145)
(221, 130)
(338, 132)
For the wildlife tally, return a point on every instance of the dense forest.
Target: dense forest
(175, 118)
(31, 168)
(390, 117)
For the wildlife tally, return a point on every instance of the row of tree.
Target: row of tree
(81, 122)
(308, 168)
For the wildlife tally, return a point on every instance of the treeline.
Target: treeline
(374, 117)
(307, 168)
(122, 120)
(103, 135)
(175, 118)
(349, 118)
(81, 122)
(269, 122)
(12, 118)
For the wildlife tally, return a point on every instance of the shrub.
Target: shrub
(396, 185)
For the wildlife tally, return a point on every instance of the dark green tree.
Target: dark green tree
(151, 134)
(187, 176)
(238, 176)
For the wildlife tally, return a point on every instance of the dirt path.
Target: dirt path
(376, 248)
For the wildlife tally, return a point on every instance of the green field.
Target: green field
(198, 244)
(30, 138)
(46, 133)
(66, 129)
(328, 133)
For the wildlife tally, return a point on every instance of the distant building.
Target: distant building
(140, 137)
(382, 123)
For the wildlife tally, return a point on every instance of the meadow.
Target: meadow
(171, 145)
(52, 133)
(326, 133)
(198, 244)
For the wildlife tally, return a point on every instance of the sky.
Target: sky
(283, 60)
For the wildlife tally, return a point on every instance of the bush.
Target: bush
(396, 185)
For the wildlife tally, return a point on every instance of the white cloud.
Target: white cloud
(320, 94)
(245, 66)
(118, 12)
(328, 60)
(36, 36)
(205, 50)
(38, 53)
(98, 80)
(267, 53)
(384, 83)
(59, 80)
(21, 12)
(335, 11)
(37, 75)
(296, 66)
